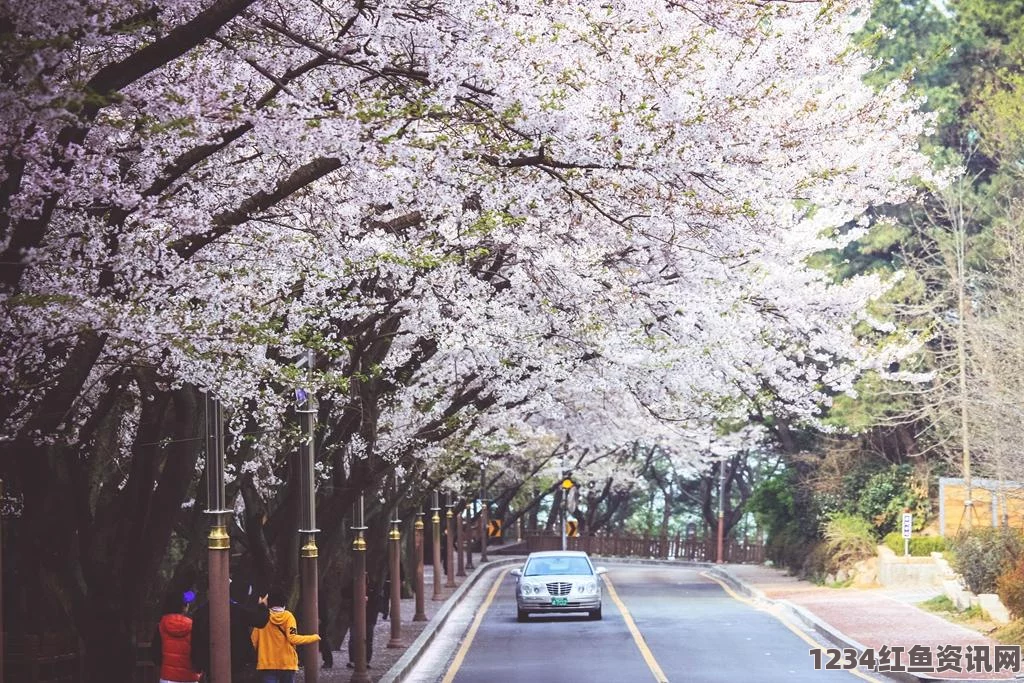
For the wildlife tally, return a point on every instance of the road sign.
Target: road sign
(571, 498)
(567, 483)
(908, 523)
(572, 528)
(494, 528)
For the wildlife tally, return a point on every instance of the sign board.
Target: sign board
(571, 499)
(494, 528)
(572, 528)
(908, 523)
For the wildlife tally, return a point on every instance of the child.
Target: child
(276, 658)
(172, 644)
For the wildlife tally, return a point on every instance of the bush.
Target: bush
(920, 546)
(882, 496)
(789, 519)
(848, 538)
(1010, 587)
(982, 555)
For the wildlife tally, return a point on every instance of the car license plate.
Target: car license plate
(559, 602)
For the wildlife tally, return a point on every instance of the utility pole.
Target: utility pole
(218, 545)
(308, 572)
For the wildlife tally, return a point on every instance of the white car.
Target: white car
(558, 581)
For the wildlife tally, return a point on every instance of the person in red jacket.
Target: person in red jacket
(172, 644)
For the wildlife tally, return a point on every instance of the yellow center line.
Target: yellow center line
(638, 637)
(468, 641)
(774, 612)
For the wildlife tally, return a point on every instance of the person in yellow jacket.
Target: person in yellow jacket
(276, 657)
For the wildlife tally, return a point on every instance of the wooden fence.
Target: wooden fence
(675, 548)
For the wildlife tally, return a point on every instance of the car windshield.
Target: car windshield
(540, 566)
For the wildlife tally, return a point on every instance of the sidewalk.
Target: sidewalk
(385, 659)
(865, 618)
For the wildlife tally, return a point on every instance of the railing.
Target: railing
(620, 545)
(56, 658)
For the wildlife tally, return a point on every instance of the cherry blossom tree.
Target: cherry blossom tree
(543, 217)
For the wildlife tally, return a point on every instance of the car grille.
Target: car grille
(559, 588)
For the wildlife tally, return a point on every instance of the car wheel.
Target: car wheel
(595, 614)
(522, 615)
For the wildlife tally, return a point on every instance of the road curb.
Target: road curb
(805, 617)
(415, 650)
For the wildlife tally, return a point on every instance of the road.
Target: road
(660, 624)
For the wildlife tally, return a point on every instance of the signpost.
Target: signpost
(908, 524)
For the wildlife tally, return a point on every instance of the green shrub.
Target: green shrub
(883, 495)
(790, 520)
(981, 555)
(848, 539)
(920, 546)
(1010, 587)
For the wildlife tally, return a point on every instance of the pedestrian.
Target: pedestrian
(372, 606)
(325, 643)
(171, 648)
(247, 612)
(277, 660)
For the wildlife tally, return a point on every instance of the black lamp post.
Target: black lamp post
(308, 573)
(218, 544)
(359, 674)
(395, 563)
(450, 546)
(436, 519)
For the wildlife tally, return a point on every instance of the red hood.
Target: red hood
(175, 625)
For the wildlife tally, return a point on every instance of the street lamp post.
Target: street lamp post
(436, 520)
(561, 506)
(450, 546)
(395, 570)
(218, 545)
(421, 614)
(460, 544)
(1, 581)
(308, 572)
(721, 511)
(483, 514)
(467, 527)
(358, 635)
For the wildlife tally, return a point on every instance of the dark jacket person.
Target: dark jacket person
(247, 613)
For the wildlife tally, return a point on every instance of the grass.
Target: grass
(841, 584)
(1011, 634)
(972, 617)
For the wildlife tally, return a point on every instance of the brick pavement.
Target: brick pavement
(869, 617)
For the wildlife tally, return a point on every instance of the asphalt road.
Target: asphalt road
(678, 625)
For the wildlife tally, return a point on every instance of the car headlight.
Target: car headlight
(532, 589)
(589, 587)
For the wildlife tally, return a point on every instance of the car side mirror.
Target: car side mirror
(600, 570)
(516, 572)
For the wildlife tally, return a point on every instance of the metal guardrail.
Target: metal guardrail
(621, 545)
